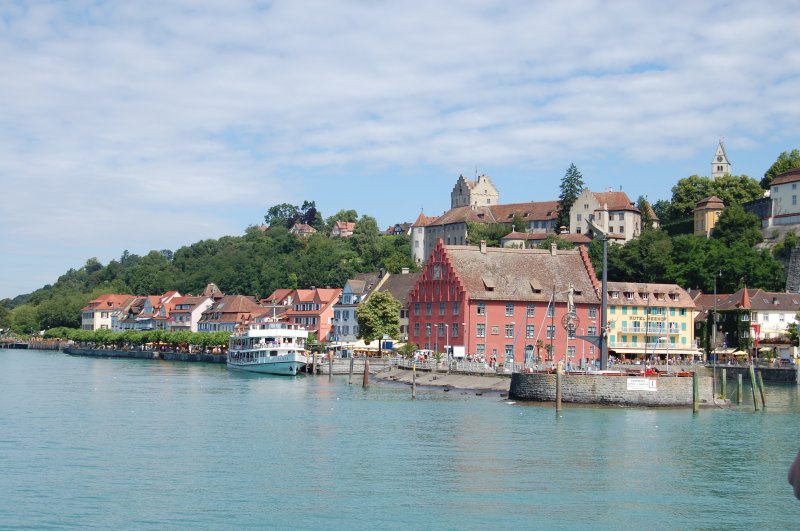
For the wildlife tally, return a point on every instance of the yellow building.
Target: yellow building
(706, 214)
(650, 320)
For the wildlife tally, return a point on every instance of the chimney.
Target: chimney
(404, 271)
(483, 246)
(553, 248)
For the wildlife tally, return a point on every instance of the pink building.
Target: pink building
(503, 304)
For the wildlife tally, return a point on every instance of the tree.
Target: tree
(571, 188)
(407, 350)
(732, 189)
(786, 161)
(378, 316)
(283, 215)
(343, 215)
(686, 193)
(364, 241)
(737, 226)
(561, 243)
(663, 209)
(647, 212)
(490, 232)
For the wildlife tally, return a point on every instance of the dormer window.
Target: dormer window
(614, 294)
(629, 295)
(644, 295)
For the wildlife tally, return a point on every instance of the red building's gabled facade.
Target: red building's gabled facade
(502, 304)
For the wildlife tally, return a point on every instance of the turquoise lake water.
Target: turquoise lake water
(132, 444)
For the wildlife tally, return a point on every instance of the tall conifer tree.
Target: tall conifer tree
(571, 188)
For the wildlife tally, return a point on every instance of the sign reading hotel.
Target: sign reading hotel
(642, 384)
(648, 318)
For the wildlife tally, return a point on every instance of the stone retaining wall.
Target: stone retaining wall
(770, 374)
(147, 355)
(611, 390)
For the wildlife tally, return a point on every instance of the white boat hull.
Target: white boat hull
(285, 365)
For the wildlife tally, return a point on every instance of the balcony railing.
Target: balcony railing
(649, 346)
(650, 330)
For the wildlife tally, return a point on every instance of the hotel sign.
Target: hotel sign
(651, 318)
(642, 384)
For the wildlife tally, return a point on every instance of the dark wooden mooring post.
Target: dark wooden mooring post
(695, 392)
(350, 377)
(753, 385)
(330, 367)
(314, 364)
(761, 388)
(366, 373)
(739, 388)
(724, 382)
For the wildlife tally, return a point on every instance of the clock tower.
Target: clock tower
(720, 165)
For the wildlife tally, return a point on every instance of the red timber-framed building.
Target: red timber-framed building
(502, 303)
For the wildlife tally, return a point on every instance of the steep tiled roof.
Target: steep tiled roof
(711, 202)
(534, 210)
(400, 286)
(615, 201)
(636, 289)
(522, 274)
(754, 299)
(466, 213)
(423, 220)
(787, 177)
(279, 295)
(541, 236)
(109, 301)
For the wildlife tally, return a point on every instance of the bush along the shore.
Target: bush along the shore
(139, 338)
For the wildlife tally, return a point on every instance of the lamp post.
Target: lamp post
(447, 345)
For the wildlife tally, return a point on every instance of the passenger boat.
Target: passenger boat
(268, 346)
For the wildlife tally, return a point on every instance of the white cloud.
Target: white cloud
(121, 108)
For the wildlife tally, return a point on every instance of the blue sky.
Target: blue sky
(152, 125)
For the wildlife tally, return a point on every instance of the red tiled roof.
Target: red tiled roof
(109, 301)
(423, 220)
(787, 177)
(521, 274)
(711, 202)
(615, 201)
(541, 236)
(684, 300)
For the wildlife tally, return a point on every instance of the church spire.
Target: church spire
(720, 165)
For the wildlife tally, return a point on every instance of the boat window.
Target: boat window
(273, 352)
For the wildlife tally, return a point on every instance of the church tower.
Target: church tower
(720, 165)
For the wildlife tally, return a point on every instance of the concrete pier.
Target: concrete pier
(622, 390)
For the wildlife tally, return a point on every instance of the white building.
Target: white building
(612, 212)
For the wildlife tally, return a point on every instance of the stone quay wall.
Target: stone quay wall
(146, 355)
(769, 374)
(611, 390)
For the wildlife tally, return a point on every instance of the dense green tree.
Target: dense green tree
(282, 215)
(24, 320)
(571, 187)
(737, 226)
(379, 315)
(5, 310)
(732, 189)
(662, 209)
(561, 243)
(783, 249)
(365, 240)
(646, 211)
(491, 232)
(786, 161)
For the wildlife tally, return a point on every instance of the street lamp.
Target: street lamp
(447, 345)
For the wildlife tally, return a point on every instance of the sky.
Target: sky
(155, 124)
